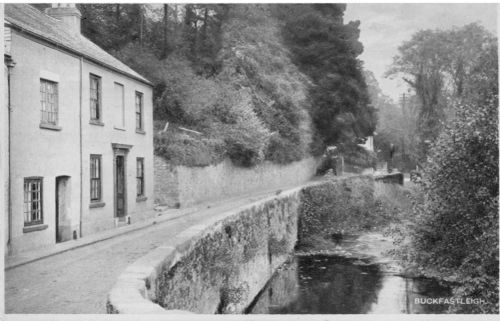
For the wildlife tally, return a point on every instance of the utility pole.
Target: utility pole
(402, 102)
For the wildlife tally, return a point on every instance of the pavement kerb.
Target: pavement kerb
(29, 257)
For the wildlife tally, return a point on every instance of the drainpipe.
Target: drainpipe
(81, 147)
(10, 65)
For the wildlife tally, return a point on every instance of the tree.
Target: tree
(441, 65)
(326, 50)
(254, 58)
(165, 31)
(202, 35)
(396, 125)
(113, 26)
(239, 52)
(456, 227)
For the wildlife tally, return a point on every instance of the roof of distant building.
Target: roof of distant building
(32, 21)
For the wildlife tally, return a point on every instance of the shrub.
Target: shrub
(245, 136)
(337, 207)
(222, 113)
(187, 97)
(456, 227)
(255, 59)
(357, 158)
(182, 149)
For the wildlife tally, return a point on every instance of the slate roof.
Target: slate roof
(32, 21)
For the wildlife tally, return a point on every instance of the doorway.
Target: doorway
(120, 152)
(120, 187)
(63, 201)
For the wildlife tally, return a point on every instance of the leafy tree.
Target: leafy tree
(202, 35)
(456, 227)
(125, 22)
(254, 59)
(396, 125)
(454, 233)
(220, 68)
(326, 50)
(442, 65)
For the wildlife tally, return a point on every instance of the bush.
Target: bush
(456, 227)
(358, 156)
(253, 90)
(187, 97)
(337, 207)
(351, 206)
(255, 59)
(182, 149)
(222, 113)
(245, 136)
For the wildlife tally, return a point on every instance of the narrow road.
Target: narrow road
(79, 280)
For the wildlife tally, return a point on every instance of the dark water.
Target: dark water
(337, 285)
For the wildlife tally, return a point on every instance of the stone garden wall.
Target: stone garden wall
(180, 186)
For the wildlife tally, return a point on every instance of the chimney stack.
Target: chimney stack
(67, 13)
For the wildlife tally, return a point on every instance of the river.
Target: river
(358, 279)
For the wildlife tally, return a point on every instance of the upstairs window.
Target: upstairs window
(95, 98)
(95, 178)
(140, 176)
(138, 111)
(33, 212)
(48, 100)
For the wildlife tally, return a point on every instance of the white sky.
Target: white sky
(385, 26)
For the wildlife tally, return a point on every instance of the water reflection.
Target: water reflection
(338, 285)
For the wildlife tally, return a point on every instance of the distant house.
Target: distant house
(368, 145)
(80, 132)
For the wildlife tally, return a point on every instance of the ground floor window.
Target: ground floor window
(140, 176)
(95, 178)
(33, 211)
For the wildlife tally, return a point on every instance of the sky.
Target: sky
(384, 27)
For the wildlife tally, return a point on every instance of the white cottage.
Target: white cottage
(79, 132)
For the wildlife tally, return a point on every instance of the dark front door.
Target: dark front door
(63, 221)
(120, 186)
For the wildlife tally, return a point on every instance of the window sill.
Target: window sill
(50, 126)
(140, 131)
(97, 204)
(34, 228)
(141, 198)
(96, 122)
(119, 128)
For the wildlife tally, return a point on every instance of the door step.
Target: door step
(122, 221)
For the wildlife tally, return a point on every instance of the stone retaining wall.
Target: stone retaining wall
(180, 186)
(217, 267)
(221, 265)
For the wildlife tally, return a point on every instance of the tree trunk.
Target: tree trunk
(141, 27)
(165, 30)
(117, 14)
(204, 32)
